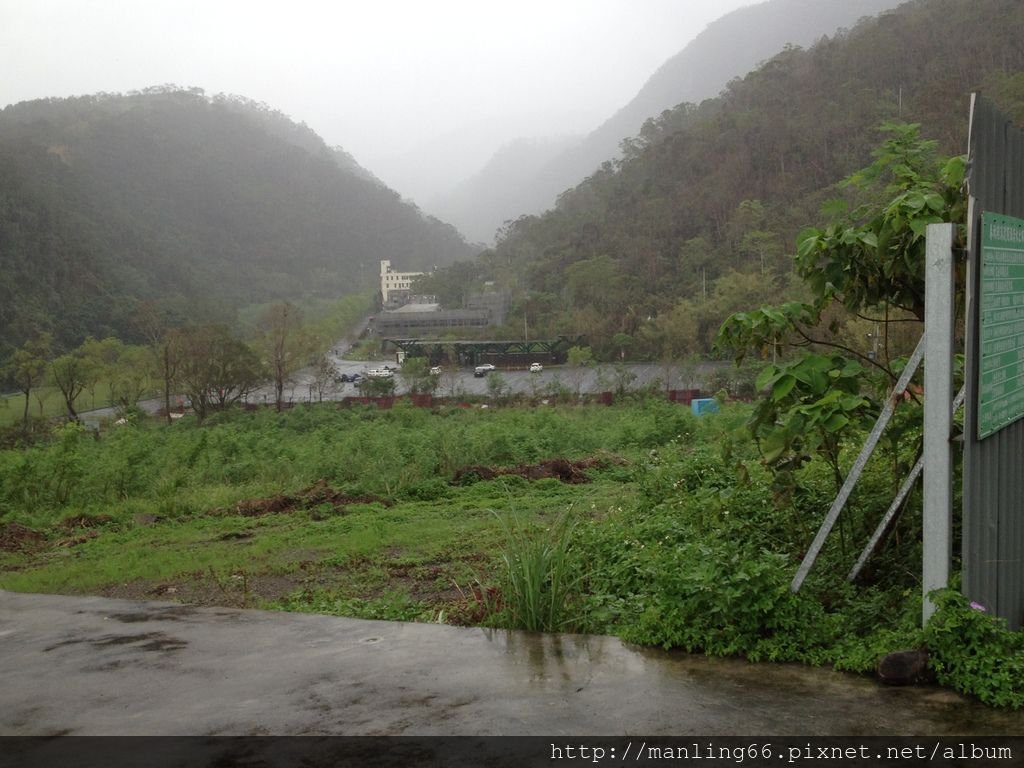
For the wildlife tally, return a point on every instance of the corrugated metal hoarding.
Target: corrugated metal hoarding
(993, 483)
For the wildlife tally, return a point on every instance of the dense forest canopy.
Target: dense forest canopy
(170, 195)
(699, 217)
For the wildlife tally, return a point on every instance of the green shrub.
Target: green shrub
(975, 653)
(722, 597)
(429, 490)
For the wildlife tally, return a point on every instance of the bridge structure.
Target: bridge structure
(502, 353)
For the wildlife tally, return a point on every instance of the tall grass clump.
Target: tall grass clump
(538, 577)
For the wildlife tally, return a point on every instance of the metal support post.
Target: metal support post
(938, 417)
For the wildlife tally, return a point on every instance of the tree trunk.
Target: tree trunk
(70, 403)
(167, 383)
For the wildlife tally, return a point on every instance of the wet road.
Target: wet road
(90, 665)
(455, 382)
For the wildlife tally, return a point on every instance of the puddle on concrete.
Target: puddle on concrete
(151, 641)
(784, 698)
(162, 613)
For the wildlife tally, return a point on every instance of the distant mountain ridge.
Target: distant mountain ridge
(169, 194)
(699, 218)
(728, 48)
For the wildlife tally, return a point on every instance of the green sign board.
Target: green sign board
(1001, 328)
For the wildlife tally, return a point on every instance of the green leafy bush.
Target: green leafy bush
(723, 598)
(975, 653)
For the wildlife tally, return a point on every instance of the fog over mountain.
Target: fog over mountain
(507, 182)
(174, 198)
(421, 94)
(728, 48)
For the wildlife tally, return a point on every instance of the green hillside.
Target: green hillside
(175, 197)
(698, 219)
(730, 47)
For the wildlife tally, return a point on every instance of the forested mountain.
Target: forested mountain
(172, 195)
(730, 47)
(698, 218)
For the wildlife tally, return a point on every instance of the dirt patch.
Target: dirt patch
(15, 537)
(474, 605)
(202, 588)
(439, 584)
(84, 521)
(236, 536)
(146, 518)
(74, 541)
(565, 470)
(315, 497)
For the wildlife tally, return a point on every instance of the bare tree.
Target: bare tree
(325, 377)
(217, 370)
(27, 367)
(71, 373)
(166, 348)
(286, 344)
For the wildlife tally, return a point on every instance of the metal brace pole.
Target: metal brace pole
(858, 466)
(894, 508)
(887, 519)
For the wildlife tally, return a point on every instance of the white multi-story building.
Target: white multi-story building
(394, 286)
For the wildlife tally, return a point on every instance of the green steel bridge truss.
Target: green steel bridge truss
(474, 352)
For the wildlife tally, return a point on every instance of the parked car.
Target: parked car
(482, 370)
(436, 370)
(380, 373)
(536, 367)
(349, 378)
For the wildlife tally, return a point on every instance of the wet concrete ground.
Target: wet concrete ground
(90, 666)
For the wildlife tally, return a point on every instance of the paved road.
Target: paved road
(461, 381)
(93, 666)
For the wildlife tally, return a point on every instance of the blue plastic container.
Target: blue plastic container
(704, 405)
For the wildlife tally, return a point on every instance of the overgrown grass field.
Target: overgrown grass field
(638, 519)
(153, 511)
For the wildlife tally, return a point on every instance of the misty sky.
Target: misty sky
(406, 86)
